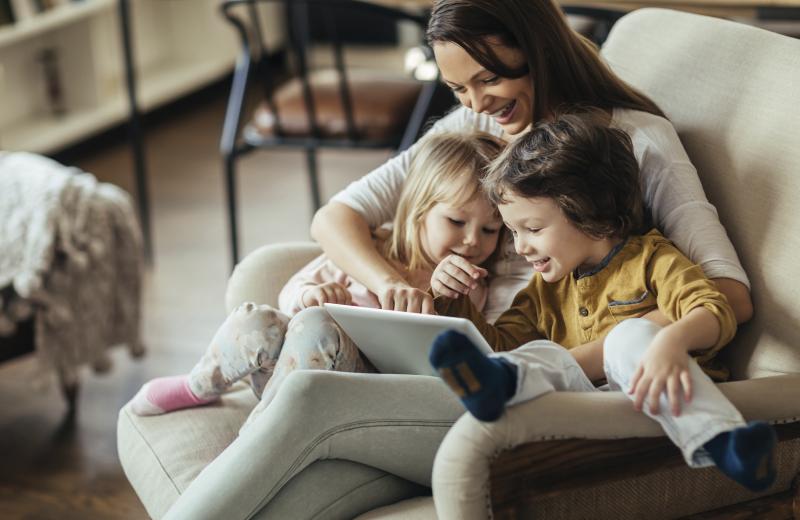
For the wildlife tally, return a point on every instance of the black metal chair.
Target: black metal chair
(593, 22)
(311, 109)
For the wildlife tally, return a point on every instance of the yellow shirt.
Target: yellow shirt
(640, 275)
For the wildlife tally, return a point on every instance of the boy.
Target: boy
(569, 192)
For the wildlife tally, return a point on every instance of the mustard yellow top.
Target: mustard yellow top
(642, 274)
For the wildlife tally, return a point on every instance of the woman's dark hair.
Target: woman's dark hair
(564, 66)
(588, 169)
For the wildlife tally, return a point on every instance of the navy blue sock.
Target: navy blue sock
(746, 454)
(484, 384)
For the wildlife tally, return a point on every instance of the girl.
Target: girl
(442, 213)
(569, 192)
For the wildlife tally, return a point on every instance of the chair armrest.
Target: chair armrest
(549, 468)
(576, 432)
(262, 274)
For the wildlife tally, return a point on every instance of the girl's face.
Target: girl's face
(508, 101)
(469, 230)
(548, 239)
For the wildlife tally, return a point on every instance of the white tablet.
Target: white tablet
(398, 342)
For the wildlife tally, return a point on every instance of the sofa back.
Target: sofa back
(733, 93)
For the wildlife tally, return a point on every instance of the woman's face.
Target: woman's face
(508, 101)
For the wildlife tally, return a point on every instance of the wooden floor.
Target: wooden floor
(50, 469)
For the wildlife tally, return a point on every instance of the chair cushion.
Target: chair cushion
(161, 455)
(381, 106)
(418, 508)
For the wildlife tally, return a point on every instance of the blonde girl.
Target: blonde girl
(442, 213)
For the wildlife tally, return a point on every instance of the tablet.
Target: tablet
(398, 342)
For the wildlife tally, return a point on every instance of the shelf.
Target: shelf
(59, 16)
(46, 133)
(159, 85)
(172, 79)
(179, 47)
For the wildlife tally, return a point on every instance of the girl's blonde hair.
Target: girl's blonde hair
(445, 168)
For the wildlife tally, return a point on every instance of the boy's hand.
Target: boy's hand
(330, 292)
(664, 368)
(455, 276)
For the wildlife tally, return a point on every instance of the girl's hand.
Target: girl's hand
(330, 292)
(664, 368)
(455, 276)
(399, 296)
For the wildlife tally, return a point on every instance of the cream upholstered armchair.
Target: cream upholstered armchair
(733, 94)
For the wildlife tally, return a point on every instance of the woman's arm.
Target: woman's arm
(342, 227)
(680, 209)
(738, 297)
(345, 237)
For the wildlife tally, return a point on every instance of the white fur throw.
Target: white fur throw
(70, 256)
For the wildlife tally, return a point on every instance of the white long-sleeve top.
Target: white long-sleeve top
(673, 196)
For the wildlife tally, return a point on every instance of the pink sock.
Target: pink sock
(165, 394)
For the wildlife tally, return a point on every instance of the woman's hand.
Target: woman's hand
(455, 276)
(399, 296)
(664, 368)
(329, 292)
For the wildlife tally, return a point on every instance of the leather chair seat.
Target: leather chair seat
(381, 105)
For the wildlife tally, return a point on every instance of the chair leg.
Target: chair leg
(70, 393)
(796, 497)
(313, 178)
(230, 187)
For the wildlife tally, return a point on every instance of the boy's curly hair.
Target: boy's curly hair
(585, 166)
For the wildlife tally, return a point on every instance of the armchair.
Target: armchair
(730, 90)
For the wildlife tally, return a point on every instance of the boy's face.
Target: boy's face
(469, 230)
(548, 239)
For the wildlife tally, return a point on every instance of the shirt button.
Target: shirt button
(584, 311)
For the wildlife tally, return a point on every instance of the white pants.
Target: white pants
(461, 469)
(544, 366)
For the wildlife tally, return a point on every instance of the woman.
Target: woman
(509, 63)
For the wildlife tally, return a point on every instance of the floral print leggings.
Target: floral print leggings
(265, 344)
